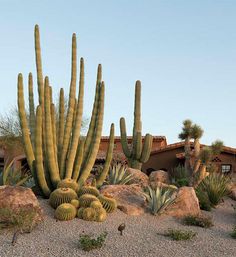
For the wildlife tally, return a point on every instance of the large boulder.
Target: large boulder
(21, 201)
(130, 198)
(138, 177)
(157, 177)
(233, 192)
(186, 203)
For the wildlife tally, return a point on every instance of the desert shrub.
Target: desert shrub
(88, 242)
(179, 176)
(159, 199)
(198, 220)
(233, 234)
(22, 220)
(215, 186)
(203, 199)
(177, 234)
(118, 175)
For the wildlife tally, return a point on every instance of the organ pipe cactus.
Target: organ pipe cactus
(138, 154)
(55, 150)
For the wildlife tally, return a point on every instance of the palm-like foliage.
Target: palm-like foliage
(118, 175)
(159, 199)
(215, 186)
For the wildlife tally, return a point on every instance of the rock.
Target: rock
(186, 203)
(138, 177)
(158, 176)
(16, 199)
(129, 198)
(233, 192)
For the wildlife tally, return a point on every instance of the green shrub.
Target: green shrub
(198, 220)
(233, 234)
(177, 234)
(159, 199)
(203, 199)
(215, 186)
(179, 176)
(88, 242)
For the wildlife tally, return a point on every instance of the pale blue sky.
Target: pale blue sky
(183, 51)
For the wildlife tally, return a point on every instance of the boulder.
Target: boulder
(130, 198)
(20, 201)
(233, 192)
(186, 203)
(158, 176)
(138, 177)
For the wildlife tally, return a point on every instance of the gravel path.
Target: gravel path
(140, 237)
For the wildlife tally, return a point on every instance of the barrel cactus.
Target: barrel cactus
(86, 200)
(96, 205)
(62, 195)
(101, 215)
(109, 204)
(68, 182)
(89, 214)
(139, 153)
(65, 211)
(88, 190)
(75, 202)
(80, 213)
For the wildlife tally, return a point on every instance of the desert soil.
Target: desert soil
(55, 238)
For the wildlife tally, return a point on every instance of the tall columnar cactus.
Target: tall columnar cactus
(55, 150)
(138, 153)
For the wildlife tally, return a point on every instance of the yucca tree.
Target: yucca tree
(196, 162)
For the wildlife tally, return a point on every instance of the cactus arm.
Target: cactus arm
(31, 108)
(78, 159)
(77, 124)
(109, 154)
(61, 122)
(39, 154)
(137, 108)
(92, 123)
(24, 126)
(96, 140)
(137, 144)
(147, 147)
(124, 141)
(69, 118)
(39, 65)
(54, 129)
(52, 165)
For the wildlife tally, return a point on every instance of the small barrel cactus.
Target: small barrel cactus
(68, 183)
(75, 202)
(101, 215)
(86, 199)
(65, 211)
(96, 205)
(89, 214)
(88, 190)
(108, 203)
(62, 195)
(80, 213)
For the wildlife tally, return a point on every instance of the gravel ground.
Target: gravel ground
(140, 237)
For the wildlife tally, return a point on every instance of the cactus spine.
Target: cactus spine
(58, 151)
(139, 153)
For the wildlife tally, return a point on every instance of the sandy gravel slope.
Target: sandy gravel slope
(140, 238)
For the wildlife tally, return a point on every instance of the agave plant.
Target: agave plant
(215, 186)
(11, 176)
(118, 175)
(159, 199)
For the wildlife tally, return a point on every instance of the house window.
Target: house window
(226, 168)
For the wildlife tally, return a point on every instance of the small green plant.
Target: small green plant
(198, 220)
(215, 186)
(233, 234)
(203, 199)
(88, 242)
(179, 176)
(118, 175)
(177, 234)
(159, 199)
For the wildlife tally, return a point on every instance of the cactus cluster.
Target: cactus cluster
(139, 152)
(56, 153)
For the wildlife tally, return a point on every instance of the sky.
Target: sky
(184, 53)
